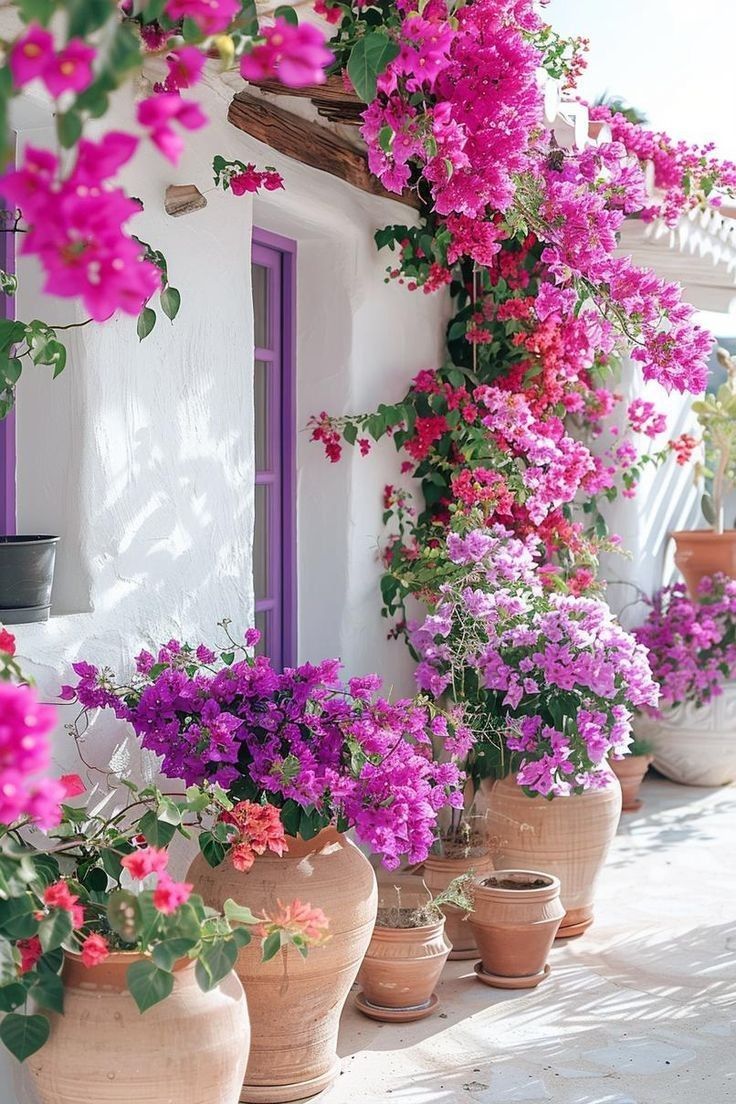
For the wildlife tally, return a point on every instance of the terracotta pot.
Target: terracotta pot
(438, 873)
(295, 1003)
(695, 745)
(568, 837)
(189, 1049)
(400, 971)
(701, 552)
(515, 921)
(630, 772)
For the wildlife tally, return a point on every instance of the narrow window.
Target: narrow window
(274, 552)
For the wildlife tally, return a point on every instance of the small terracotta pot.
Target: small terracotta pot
(702, 552)
(438, 873)
(630, 772)
(400, 971)
(515, 921)
(295, 1003)
(568, 837)
(191, 1048)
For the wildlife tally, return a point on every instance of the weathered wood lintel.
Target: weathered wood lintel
(309, 143)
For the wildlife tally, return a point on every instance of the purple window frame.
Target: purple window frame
(7, 425)
(278, 256)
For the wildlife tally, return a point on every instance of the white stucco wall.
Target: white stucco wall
(141, 455)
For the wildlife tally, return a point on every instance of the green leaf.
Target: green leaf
(24, 1035)
(86, 16)
(167, 953)
(241, 937)
(290, 815)
(69, 128)
(12, 996)
(287, 13)
(241, 914)
(148, 984)
(146, 322)
(55, 929)
(11, 332)
(48, 991)
(213, 851)
(36, 11)
(271, 945)
(16, 917)
(708, 507)
(385, 138)
(8, 967)
(125, 50)
(368, 59)
(215, 962)
(170, 300)
(158, 833)
(350, 433)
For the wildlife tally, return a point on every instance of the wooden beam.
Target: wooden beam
(309, 143)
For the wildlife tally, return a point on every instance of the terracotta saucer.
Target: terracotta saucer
(397, 1015)
(498, 982)
(633, 808)
(463, 956)
(573, 930)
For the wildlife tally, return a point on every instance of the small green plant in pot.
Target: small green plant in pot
(704, 552)
(408, 951)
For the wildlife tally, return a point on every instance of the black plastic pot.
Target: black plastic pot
(26, 578)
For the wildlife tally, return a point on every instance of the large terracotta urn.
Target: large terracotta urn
(567, 837)
(702, 552)
(438, 872)
(400, 971)
(695, 745)
(191, 1048)
(295, 1003)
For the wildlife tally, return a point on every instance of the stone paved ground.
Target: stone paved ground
(640, 1010)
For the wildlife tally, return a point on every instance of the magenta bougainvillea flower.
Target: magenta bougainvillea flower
(319, 750)
(554, 677)
(691, 642)
(211, 16)
(294, 55)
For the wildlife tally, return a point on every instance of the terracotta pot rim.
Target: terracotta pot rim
(528, 893)
(439, 861)
(700, 535)
(299, 848)
(404, 935)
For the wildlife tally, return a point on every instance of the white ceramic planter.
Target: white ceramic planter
(696, 747)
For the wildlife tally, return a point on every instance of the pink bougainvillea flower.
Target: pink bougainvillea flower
(58, 895)
(300, 919)
(70, 70)
(158, 112)
(95, 949)
(169, 895)
(259, 830)
(7, 642)
(185, 67)
(73, 785)
(149, 860)
(97, 161)
(293, 55)
(211, 16)
(29, 55)
(331, 12)
(249, 180)
(30, 952)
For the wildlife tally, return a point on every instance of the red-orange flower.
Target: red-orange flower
(259, 830)
(95, 950)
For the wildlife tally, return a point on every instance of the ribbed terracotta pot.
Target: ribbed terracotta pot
(701, 552)
(693, 745)
(400, 971)
(191, 1048)
(630, 772)
(438, 872)
(568, 837)
(295, 1003)
(515, 920)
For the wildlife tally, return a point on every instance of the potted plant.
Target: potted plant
(515, 918)
(102, 952)
(407, 952)
(704, 552)
(692, 651)
(26, 578)
(548, 681)
(630, 771)
(117, 977)
(304, 757)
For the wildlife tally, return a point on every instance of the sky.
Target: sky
(672, 59)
